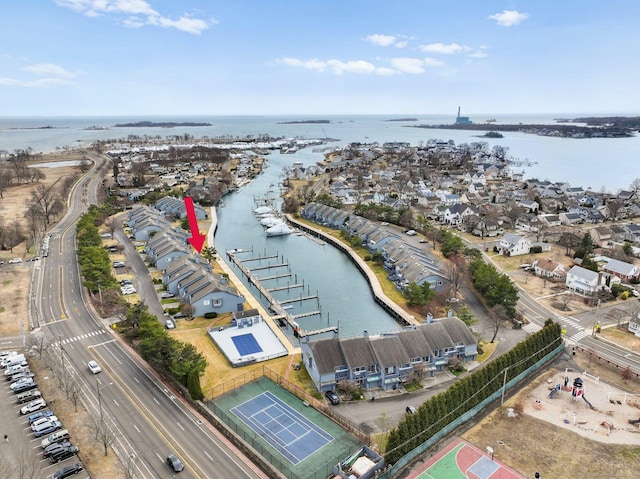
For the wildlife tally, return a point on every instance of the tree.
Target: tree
(614, 208)
(47, 200)
(451, 244)
(418, 294)
(455, 271)
(585, 248)
(498, 317)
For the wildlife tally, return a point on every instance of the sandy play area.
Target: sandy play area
(607, 422)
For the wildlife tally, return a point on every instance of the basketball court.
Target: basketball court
(461, 460)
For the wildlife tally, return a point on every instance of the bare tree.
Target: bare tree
(565, 299)
(6, 177)
(498, 317)
(111, 224)
(47, 199)
(128, 467)
(102, 432)
(614, 208)
(455, 271)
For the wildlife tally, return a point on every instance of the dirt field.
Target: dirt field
(538, 439)
(14, 294)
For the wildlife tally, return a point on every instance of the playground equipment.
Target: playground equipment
(554, 390)
(590, 405)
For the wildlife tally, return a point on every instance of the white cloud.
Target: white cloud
(381, 40)
(353, 66)
(50, 70)
(443, 49)
(138, 12)
(40, 83)
(509, 18)
(312, 64)
(401, 44)
(413, 66)
(432, 62)
(385, 72)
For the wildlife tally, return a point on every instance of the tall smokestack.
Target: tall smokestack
(458, 112)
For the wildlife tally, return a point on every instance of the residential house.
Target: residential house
(548, 268)
(513, 245)
(627, 272)
(586, 282)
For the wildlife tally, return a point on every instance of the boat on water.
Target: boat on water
(279, 230)
(262, 210)
(270, 221)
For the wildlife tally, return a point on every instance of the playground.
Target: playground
(584, 404)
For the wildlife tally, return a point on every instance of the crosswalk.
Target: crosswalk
(578, 336)
(83, 336)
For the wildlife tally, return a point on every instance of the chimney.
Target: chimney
(365, 333)
(429, 318)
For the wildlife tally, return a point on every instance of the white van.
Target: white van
(12, 360)
(17, 368)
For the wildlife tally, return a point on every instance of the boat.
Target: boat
(262, 210)
(279, 230)
(270, 221)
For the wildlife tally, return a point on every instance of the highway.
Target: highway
(147, 420)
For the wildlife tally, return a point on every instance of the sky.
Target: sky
(314, 57)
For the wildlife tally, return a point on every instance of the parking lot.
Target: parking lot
(28, 420)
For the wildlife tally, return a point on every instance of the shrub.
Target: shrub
(210, 315)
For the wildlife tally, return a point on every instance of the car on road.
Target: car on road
(423, 240)
(15, 261)
(94, 367)
(410, 232)
(175, 463)
(411, 410)
(33, 406)
(62, 454)
(169, 324)
(68, 471)
(332, 397)
(166, 294)
(53, 426)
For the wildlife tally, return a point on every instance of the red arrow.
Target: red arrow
(197, 239)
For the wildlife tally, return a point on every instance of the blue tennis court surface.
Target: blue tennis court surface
(246, 344)
(290, 433)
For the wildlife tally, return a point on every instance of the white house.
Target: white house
(586, 282)
(514, 245)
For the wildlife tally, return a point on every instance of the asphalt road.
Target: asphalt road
(147, 420)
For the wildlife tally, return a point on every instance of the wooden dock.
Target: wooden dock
(281, 313)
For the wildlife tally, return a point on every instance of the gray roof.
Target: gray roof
(389, 351)
(437, 336)
(415, 344)
(357, 352)
(327, 354)
(458, 331)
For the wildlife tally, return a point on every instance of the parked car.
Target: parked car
(54, 438)
(410, 232)
(94, 367)
(33, 406)
(28, 396)
(20, 388)
(53, 426)
(167, 294)
(175, 463)
(20, 375)
(15, 261)
(118, 264)
(64, 453)
(42, 421)
(56, 446)
(179, 315)
(68, 471)
(19, 382)
(169, 324)
(332, 397)
(5, 354)
(37, 415)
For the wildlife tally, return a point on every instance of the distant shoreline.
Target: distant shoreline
(302, 122)
(164, 124)
(564, 131)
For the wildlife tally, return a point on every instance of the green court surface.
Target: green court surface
(318, 465)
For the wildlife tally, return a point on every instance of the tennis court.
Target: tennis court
(246, 344)
(290, 433)
(298, 440)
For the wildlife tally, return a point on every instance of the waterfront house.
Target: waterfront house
(386, 361)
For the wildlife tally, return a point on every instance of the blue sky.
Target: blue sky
(268, 57)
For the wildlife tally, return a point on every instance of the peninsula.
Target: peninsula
(302, 122)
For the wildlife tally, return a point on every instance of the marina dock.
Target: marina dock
(277, 307)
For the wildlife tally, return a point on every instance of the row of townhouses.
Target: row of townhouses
(183, 273)
(388, 360)
(405, 263)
